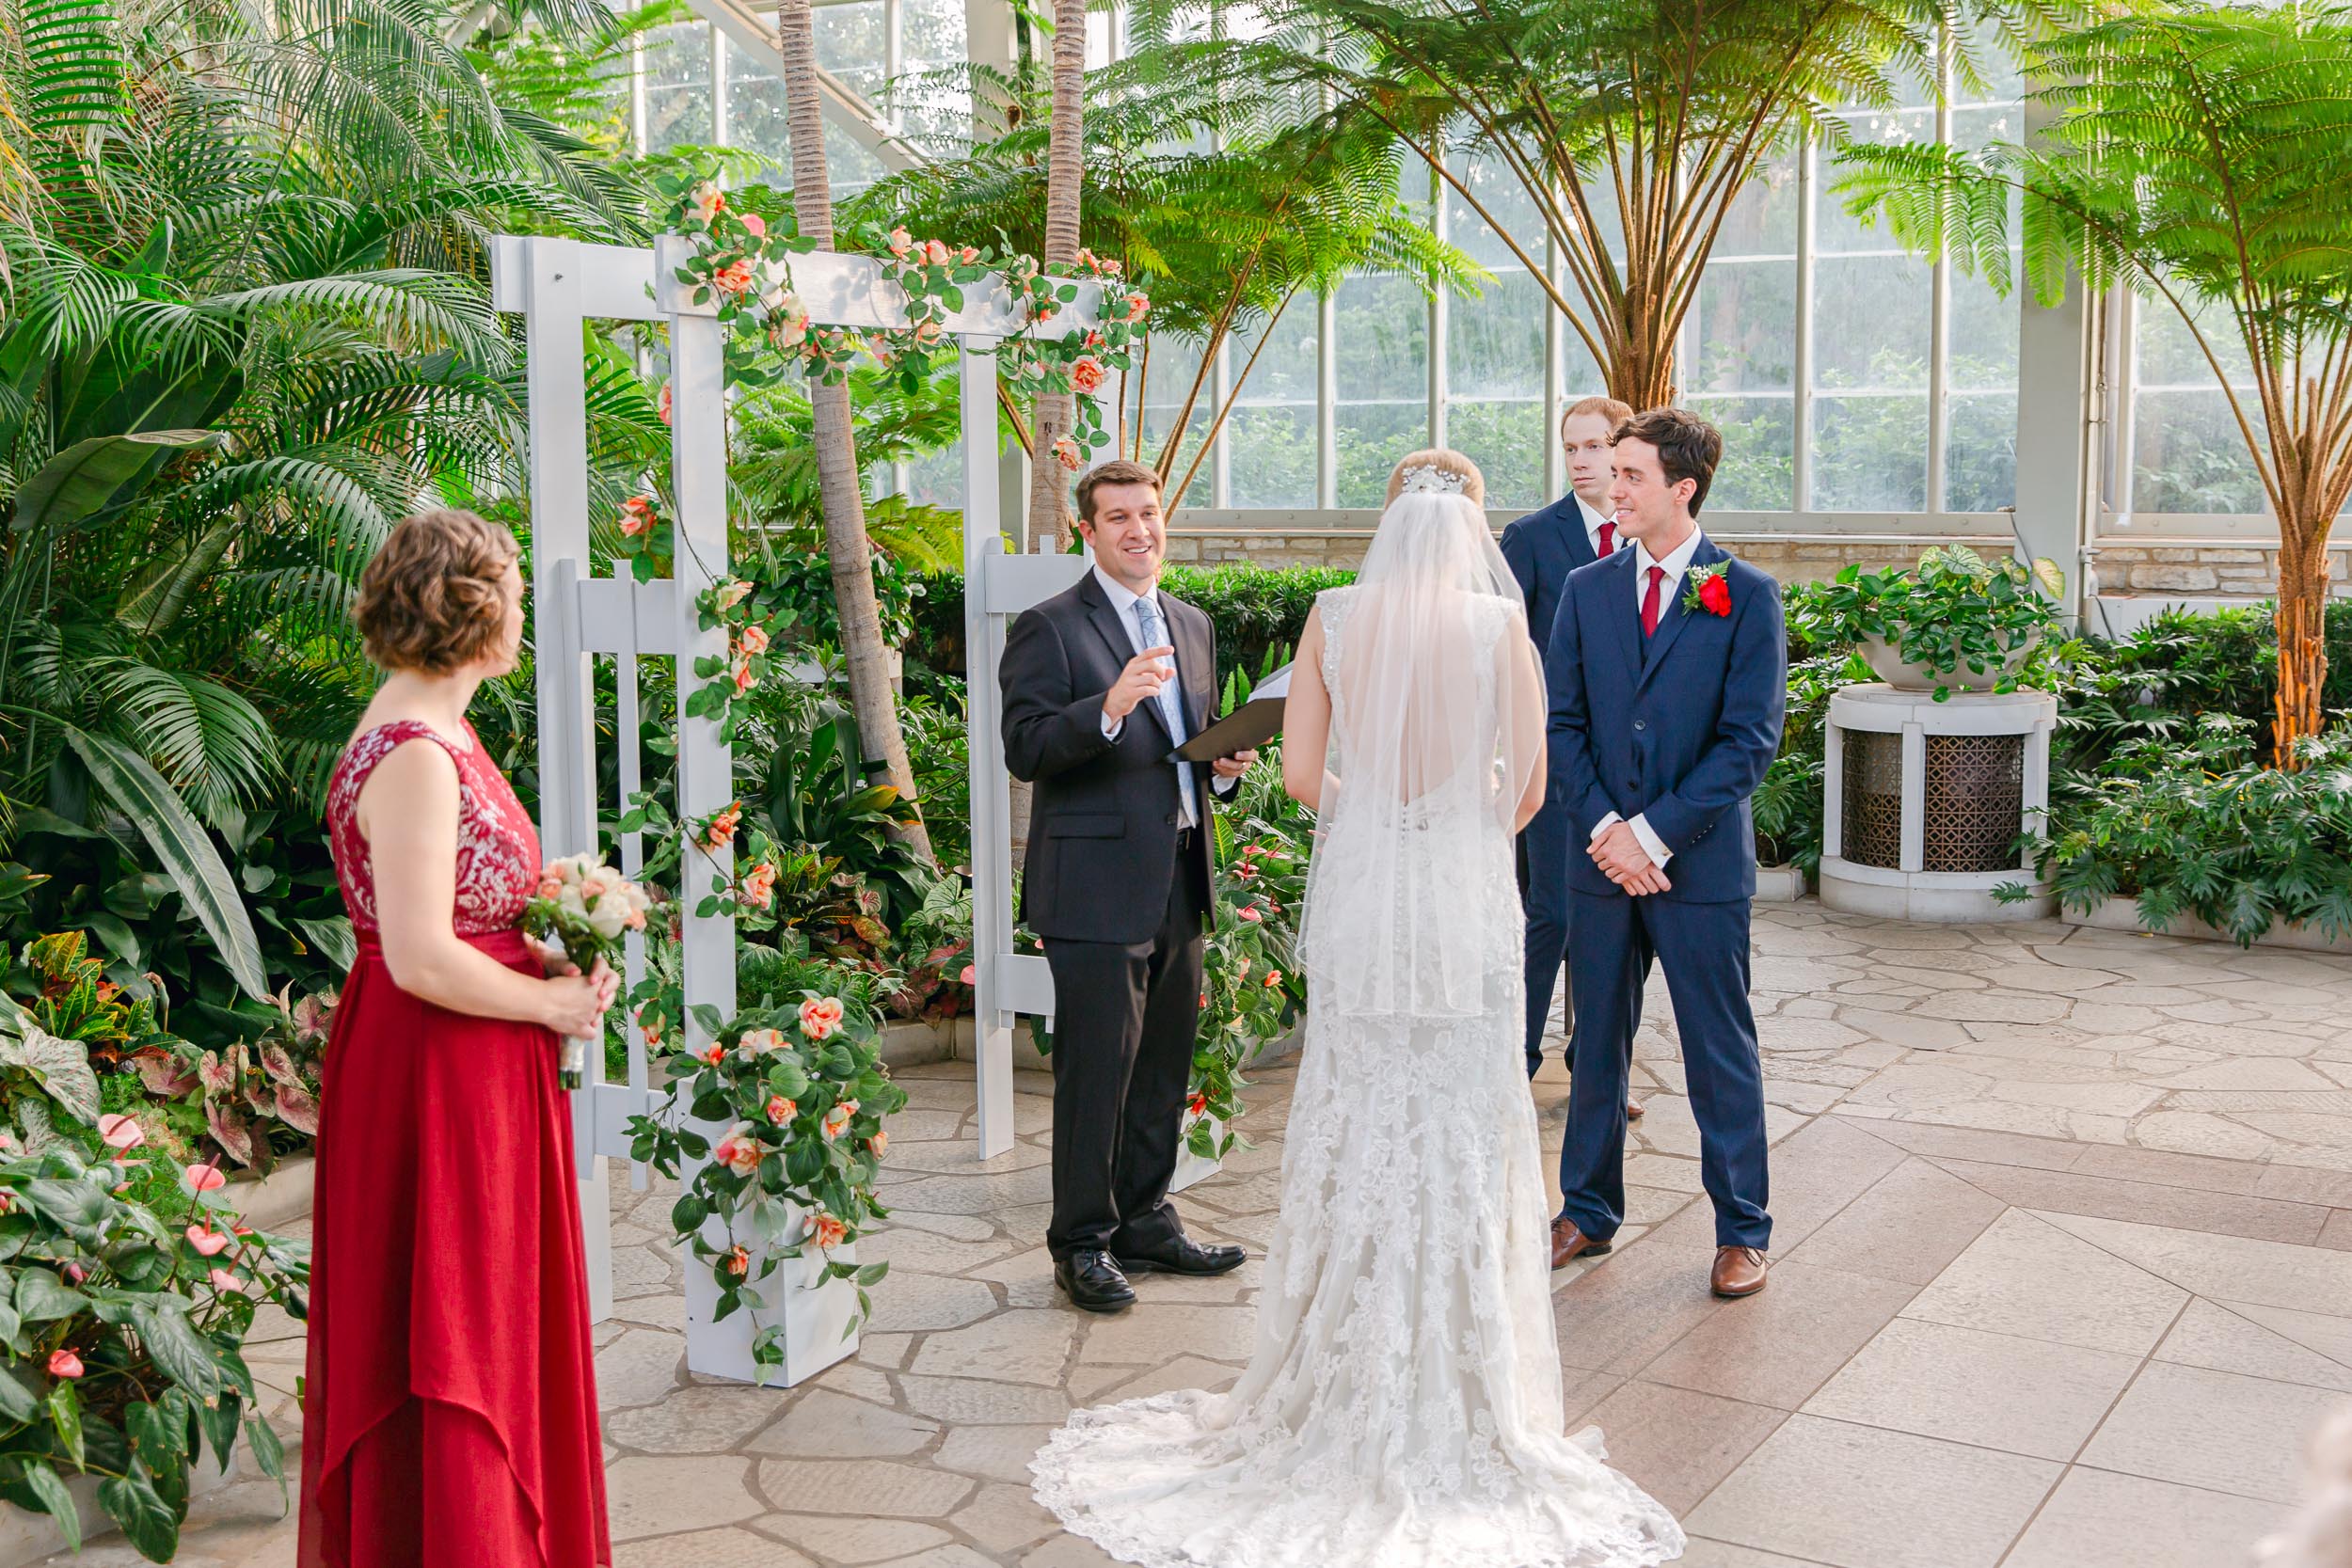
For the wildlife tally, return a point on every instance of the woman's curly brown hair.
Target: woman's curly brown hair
(434, 597)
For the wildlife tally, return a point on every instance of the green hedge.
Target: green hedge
(1254, 609)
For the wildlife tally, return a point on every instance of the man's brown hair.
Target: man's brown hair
(1119, 471)
(1688, 447)
(1608, 408)
(434, 596)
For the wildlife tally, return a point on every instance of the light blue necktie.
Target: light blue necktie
(1171, 700)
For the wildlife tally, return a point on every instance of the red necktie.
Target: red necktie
(1649, 601)
(1608, 537)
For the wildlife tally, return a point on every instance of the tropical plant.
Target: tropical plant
(1053, 411)
(1617, 132)
(1954, 612)
(1251, 991)
(2198, 155)
(258, 1098)
(2195, 827)
(1788, 804)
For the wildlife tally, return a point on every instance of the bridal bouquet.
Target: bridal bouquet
(582, 908)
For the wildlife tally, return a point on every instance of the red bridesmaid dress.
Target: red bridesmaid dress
(450, 1405)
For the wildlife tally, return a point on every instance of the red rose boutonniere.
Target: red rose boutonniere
(1709, 589)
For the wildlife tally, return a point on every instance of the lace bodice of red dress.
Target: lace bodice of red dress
(497, 847)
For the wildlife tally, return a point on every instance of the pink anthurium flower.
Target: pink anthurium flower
(202, 1178)
(64, 1363)
(226, 1282)
(207, 1241)
(122, 1131)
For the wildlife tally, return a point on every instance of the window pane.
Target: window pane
(2187, 456)
(1168, 380)
(1870, 453)
(1757, 473)
(1980, 409)
(1495, 386)
(849, 45)
(932, 38)
(756, 115)
(1270, 438)
(678, 87)
(1383, 354)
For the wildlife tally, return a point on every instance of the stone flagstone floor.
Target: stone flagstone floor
(2063, 1280)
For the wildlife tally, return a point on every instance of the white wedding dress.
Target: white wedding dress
(1401, 1405)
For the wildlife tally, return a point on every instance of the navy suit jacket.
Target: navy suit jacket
(1677, 728)
(1543, 547)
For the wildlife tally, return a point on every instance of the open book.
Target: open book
(1252, 724)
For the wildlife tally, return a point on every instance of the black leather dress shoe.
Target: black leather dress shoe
(1093, 1281)
(1181, 1256)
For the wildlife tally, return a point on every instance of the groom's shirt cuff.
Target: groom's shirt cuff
(1112, 726)
(1652, 846)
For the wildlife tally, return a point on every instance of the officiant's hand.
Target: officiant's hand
(1140, 682)
(1621, 858)
(1234, 766)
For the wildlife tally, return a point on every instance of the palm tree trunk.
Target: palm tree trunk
(1641, 369)
(2302, 634)
(882, 742)
(1065, 172)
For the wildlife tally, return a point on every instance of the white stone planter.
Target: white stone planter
(1900, 673)
(1191, 1168)
(1778, 884)
(813, 1316)
(278, 1199)
(1907, 815)
(26, 1537)
(2122, 915)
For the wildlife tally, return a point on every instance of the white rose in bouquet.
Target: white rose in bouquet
(584, 907)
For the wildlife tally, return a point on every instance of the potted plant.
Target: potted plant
(1955, 623)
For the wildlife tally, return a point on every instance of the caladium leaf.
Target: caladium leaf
(163, 1073)
(229, 1129)
(298, 1110)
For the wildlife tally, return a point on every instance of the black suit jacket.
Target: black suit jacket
(1102, 822)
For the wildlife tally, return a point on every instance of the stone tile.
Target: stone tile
(638, 1368)
(2166, 1168)
(2331, 1337)
(1069, 1551)
(2096, 1519)
(2212, 1336)
(2301, 1184)
(992, 1453)
(1968, 1143)
(962, 1401)
(1148, 1332)
(1636, 1302)
(1677, 1443)
(2215, 1430)
(1906, 1227)
(869, 1486)
(1186, 1371)
(1818, 1172)
(1012, 1347)
(852, 1541)
(2308, 1279)
(738, 1548)
(1992, 1390)
(2027, 1277)
(1722, 1554)
(653, 1497)
(1854, 1496)
(1004, 1518)
(2336, 1232)
(953, 1555)
(707, 1417)
(2072, 1192)
(825, 1425)
(1776, 1348)
(920, 1303)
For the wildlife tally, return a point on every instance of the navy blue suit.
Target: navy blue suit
(1678, 728)
(1543, 547)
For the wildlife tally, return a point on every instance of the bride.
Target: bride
(1401, 1406)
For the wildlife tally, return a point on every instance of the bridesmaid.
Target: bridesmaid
(449, 1412)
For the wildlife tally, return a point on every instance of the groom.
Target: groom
(1668, 674)
(1100, 682)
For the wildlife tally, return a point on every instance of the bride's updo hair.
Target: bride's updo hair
(1447, 462)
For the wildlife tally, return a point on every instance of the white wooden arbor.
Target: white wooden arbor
(561, 286)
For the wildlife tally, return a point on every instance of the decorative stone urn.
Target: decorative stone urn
(1925, 801)
(1887, 663)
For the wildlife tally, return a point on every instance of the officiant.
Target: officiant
(1101, 682)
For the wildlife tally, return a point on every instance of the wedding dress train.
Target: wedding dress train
(1401, 1405)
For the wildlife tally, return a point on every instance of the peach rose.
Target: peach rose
(1138, 306)
(755, 225)
(1086, 375)
(821, 1016)
(740, 1151)
(1066, 452)
(733, 278)
(754, 640)
(739, 1261)
(745, 677)
(759, 1042)
(759, 887)
(880, 1141)
(662, 404)
(727, 594)
(837, 1119)
(935, 253)
(708, 201)
(722, 830)
(711, 1055)
(900, 242)
(781, 1110)
(822, 1228)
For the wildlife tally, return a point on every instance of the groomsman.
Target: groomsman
(1668, 674)
(1543, 547)
(1100, 682)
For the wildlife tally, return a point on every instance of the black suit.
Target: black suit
(1120, 893)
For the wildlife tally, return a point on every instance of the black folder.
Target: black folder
(1248, 727)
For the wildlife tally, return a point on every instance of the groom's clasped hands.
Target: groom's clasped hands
(1619, 854)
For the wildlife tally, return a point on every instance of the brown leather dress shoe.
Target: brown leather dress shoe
(1738, 1269)
(1568, 1243)
(1633, 1110)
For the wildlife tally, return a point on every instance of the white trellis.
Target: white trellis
(559, 286)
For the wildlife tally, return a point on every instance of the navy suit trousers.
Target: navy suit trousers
(1705, 950)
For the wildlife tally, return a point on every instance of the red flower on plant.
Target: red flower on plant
(822, 1228)
(739, 1261)
(64, 1363)
(722, 830)
(1198, 1105)
(1249, 912)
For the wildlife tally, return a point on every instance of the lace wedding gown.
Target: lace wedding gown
(1401, 1405)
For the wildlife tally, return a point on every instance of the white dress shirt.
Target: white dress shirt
(1678, 564)
(1592, 523)
(1124, 599)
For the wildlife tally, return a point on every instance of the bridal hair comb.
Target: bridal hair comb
(1428, 478)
